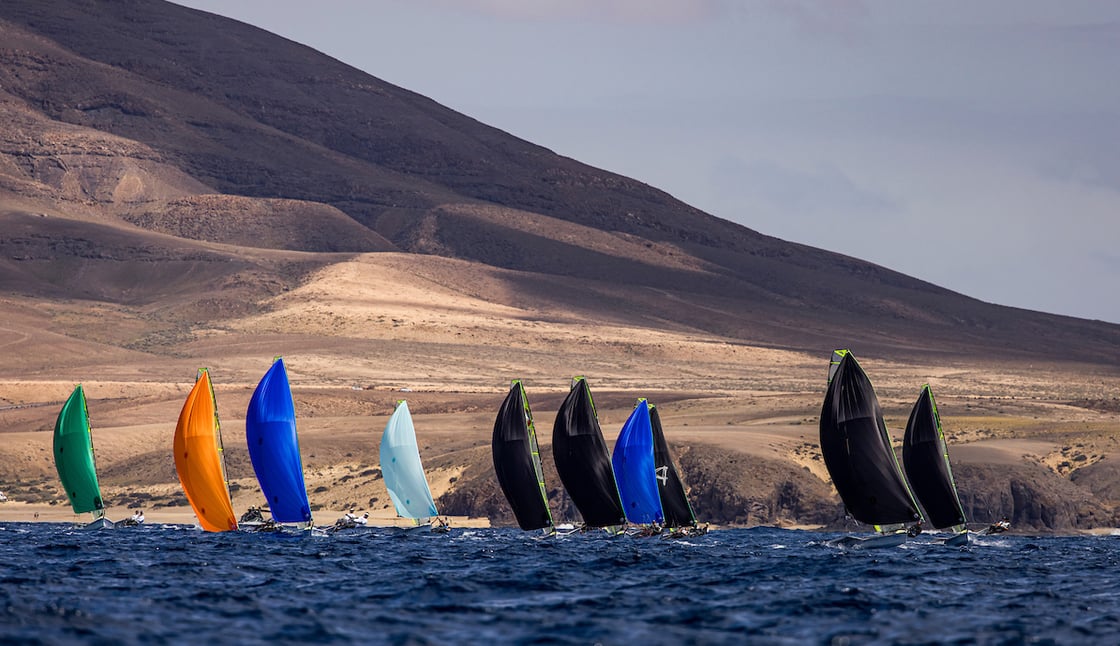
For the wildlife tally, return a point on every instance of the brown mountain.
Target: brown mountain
(179, 189)
(139, 107)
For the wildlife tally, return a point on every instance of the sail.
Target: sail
(401, 467)
(582, 459)
(857, 450)
(926, 458)
(834, 363)
(634, 468)
(517, 461)
(198, 460)
(270, 430)
(674, 502)
(73, 455)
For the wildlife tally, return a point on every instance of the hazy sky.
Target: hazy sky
(972, 144)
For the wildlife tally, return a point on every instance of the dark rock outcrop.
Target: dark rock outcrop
(730, 488)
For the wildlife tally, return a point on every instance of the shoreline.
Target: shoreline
(21, 512)
(752, 459)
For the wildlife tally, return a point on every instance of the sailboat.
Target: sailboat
(270, 431)
(73, 458)
(583, 462)
(517, 462)
(926, 458)
(198, 458)
(858, 455)
(679, 517)
(403, 471)
(635, 472)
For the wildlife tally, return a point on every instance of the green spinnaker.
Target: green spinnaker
(73, 455)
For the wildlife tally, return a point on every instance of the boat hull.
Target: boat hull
(272, 527)
(101, 523)
(958, 540)
(684, 532)
(869, 542)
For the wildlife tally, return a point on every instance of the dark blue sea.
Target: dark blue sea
(172, 584)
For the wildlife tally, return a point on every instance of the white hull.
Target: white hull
(101, 523)
(870, 542)
(957, 540)
(346, 529)
(269, 526)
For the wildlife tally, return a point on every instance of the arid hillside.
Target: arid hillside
(148, 113)
(1032, 441)
(181, 190)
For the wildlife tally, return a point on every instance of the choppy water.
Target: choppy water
(764, 586)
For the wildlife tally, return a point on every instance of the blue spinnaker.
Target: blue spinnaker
(634, 468)
(401, 467)
(270, 430)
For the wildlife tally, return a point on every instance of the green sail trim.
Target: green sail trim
(73, 455)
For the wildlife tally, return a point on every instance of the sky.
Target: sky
(972, 144)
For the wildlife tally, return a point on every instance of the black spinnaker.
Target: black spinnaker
(926, 459)
(582, 459)
(674, 502)
(517, 461)
(857, 449)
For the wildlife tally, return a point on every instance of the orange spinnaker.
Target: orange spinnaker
(197, 459)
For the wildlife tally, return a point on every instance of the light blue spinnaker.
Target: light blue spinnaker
(270, 430)
(634, 469)
(401, 467)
